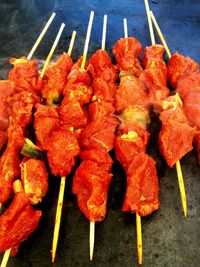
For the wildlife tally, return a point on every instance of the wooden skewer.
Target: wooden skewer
(62, 186)
(87, 40)
(71, 45)
(160, 33)
(103, 42)
(58, 217)
(178, 165)
(5, 257)
(138, 218)
(52, 50)
(39, 39)
(149, 22)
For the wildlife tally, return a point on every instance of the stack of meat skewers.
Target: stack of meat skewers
(80, 110)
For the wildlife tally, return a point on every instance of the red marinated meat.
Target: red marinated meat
(17, 223)
(130, 92)
(100, 66)
(155, 73)
(25, 74)
(34, 178)
(99, 134)
(10, 161)
(63, 64)
(56, 78)
(179, 66)
(126, 52)
(7, 88)
(142, 186)
(188, 82)
(175, 137)
(79, 91)
(78, 75)
(192, 107)
(103, 90)
(21, 105)
(152, 53)
(63, 150)
(99, 156)
(91, 184)
(99, 110)
(54, 87)
(3, 139)
(130, 140)
(10, 171)
(73, 114)
(46, 120)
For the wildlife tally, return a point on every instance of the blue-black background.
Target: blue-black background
(168, 238)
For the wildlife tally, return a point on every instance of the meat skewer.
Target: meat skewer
(63, 178)
(92, 223)
(62, 185)
(7, 252)
(132, 102)
(186, 63)
(39, 39)
(178, 165)
(138, 217)
(92, 178)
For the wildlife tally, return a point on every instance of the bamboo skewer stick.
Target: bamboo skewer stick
(149, 22)
(52, 50)
(138, 218)
(40, 37)
(58, 217)
(62, 186)
(71, 45)
(5, 257)
(178, 165)
(87, 39)
(160, 34)
(103, 42)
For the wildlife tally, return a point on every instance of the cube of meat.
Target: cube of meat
(99, 156)
(100, 66)
(73, 114)
(142, 186)
(175, 137)
(179, 66)
(46, 120)
(131, 92)
(34, 178)
(25, 74)
(126, 52)
(63, 149)
(130, 140)
(91, 184)
(17, 223)
(99, 134)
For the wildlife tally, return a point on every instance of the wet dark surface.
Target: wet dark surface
(168, 238)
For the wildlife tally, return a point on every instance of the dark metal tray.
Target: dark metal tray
(168, 238)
